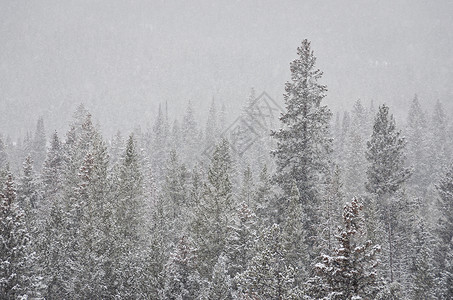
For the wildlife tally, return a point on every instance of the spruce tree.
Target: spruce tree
(214, 212)
(181, 281)
(386, 175)
(416, 132)
(304, 144)
(385, 154)
(350, 271)
(16, 277)
(39, 145)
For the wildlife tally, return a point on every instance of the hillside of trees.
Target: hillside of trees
(351, 206)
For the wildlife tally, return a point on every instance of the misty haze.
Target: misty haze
(226, 149)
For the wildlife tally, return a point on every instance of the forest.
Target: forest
(312, 205)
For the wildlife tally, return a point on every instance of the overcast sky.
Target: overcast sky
(123, 58)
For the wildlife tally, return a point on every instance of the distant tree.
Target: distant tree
(417, 150)
(386, 175)
(39, 145)
(3, 154)
(386, 171)
(214, 212)
(438, 140)
(211, 132)
(190, 137)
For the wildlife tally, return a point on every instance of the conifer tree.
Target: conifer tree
(3, 154)
(386, 175)
(444, 230)
(242, 235)
(294, 234)
(16, 277)
(304, 144)
(214, 213)
(221, 286)
(181, 277)
(417, 145)
(39, 145)
(350, 271)
(267, 275)
(386, 171)
(190, 137)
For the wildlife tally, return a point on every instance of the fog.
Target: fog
(124, 58)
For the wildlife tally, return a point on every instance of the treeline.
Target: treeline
(317, 209)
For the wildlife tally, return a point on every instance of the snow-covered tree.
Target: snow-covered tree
(182, 281)
(39, 145)
(386, 171)
(349, 272)
(294, 234)
(416, 132)
(304, 143)
(16, 277)
(241, 239)
(267, 275)
(214, 212)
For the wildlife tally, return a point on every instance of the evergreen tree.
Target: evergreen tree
(220, 286)
(127, 230)
(214, 212)
(39, 145)
(15, 257)
(181, 278)
(350, 271)
(190, 137)
(267, 275)
(294, 235)
(386, 171)
(416, 145)
(444, 230)
(240, 241)
(304, 144)
(3, 154)
(439, 153)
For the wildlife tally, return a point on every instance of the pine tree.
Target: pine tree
(242, 235)
(214, 213)
(190, 137)
(175, 193)
(15, 257)
(159, 145)
(267, 275)
(266, 208)
(416, 145)
(304, 144)
(386, 175)
(39, 145)
(294, 234)
(439, 154)
(211, 126)
(221, 286)
(127, 230)
(181, 278)
(350, 271)
(386, 171)
(3, 154)
(444, 230)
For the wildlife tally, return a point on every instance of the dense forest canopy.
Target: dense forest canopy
(315, 205)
